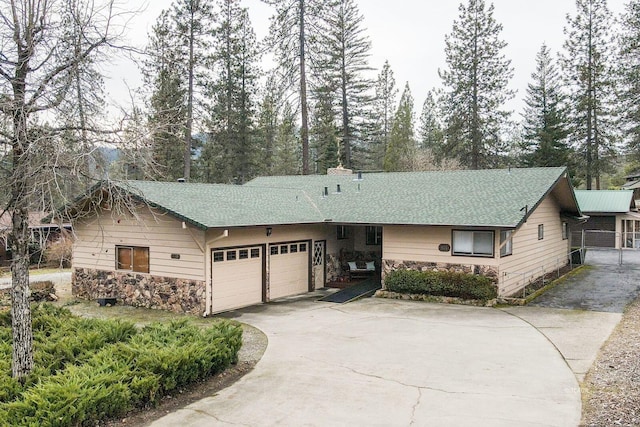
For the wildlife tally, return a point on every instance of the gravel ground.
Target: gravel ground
(611, 389)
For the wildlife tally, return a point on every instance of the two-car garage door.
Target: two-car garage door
(238, 274)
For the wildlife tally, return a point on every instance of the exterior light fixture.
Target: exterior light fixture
(269, 230)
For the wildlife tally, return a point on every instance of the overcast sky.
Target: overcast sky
(409, 33)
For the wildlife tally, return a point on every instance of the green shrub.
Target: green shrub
(441, 283)
(88, 370)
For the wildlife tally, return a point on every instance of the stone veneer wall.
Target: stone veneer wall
(140, 290)
(389, 265)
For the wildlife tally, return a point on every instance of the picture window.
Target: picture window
(473, 243)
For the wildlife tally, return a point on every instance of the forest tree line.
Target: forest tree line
(212, 114)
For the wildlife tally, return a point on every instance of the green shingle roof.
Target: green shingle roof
(473, 197)
(610, 201)
(217, 205)
(498, 198)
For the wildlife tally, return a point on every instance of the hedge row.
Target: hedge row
(108, 367)
(441, 283)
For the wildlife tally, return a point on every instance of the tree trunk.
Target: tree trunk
(189, 124)
(346, 134)
(20, 308)
(22, 361)
(304, 131)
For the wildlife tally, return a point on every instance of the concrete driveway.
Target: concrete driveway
(579, 315)
(393, 363)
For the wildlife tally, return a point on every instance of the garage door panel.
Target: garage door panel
(236, 282)
(288, 269)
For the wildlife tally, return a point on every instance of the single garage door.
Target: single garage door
(288, 269)
(236, 277)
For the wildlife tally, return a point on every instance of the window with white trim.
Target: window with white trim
(506, 242)
(473, 243)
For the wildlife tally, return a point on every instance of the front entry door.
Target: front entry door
(319, 264)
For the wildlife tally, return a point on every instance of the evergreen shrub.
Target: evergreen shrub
(441, 283)
(89, 369)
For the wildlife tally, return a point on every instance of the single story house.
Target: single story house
(208, 248)
(613, 219)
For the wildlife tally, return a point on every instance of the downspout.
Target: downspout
(209, 269)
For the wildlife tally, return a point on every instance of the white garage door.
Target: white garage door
(236, 277)
(288, 269)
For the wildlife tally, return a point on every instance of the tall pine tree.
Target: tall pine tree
(384, 107)
(346, 50)
(587, 65)
(233, 92)
(430, 131)
(193, 19)
(289, 36)
(629, 63)
(267, 126)
(324, 133)
(401, 138)
(163, 72)
(545, 126)
(476, 81)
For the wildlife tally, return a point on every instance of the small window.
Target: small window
(565, 231)
(255, 253)
(293, 249)
(303, 247)
(132, 258)
(218, 256)
(540, 231)
(273, 250)
(341, 232)
(473, 243)
(231, 255)
(373, 235)
(243, 253)
(284, 249)
(506, 242)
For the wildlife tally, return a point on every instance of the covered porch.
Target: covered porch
(356, 256)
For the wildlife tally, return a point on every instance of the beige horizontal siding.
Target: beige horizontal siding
(531, 257)
(420, 243)
(97, 238)
(258, 235)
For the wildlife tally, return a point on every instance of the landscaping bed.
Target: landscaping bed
(439, 286)
(91, 369)
(611, 389)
